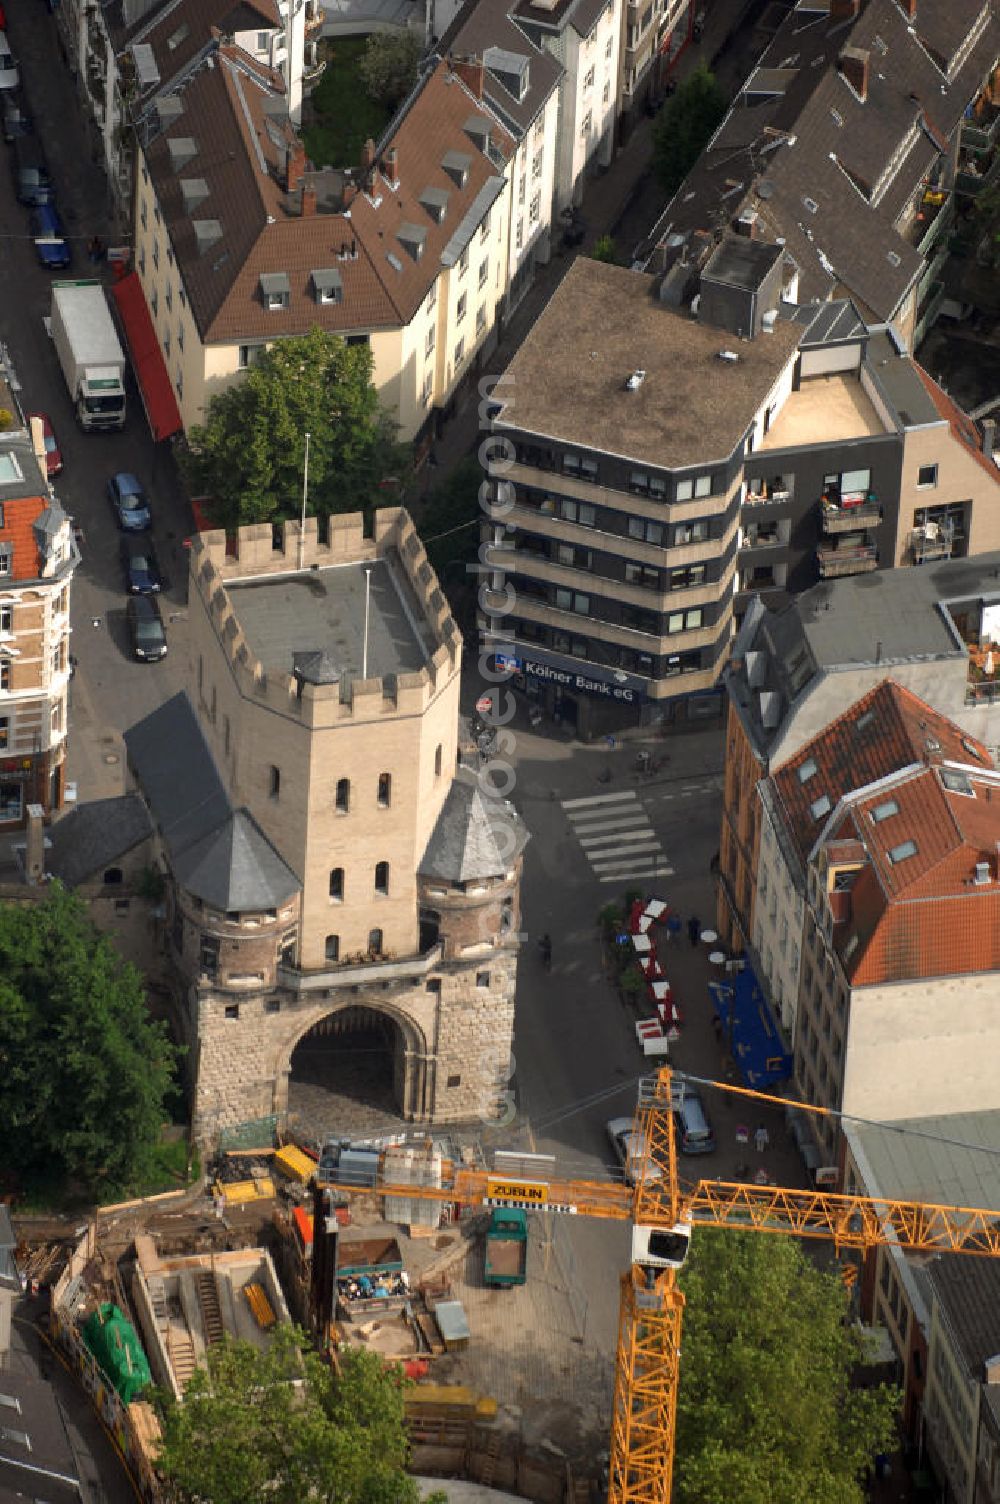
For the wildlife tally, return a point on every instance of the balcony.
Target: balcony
(837, 518)
(859, 558)
(982, 132)
(934, 218)
(361, 972)
(933, 540)
(759, 492)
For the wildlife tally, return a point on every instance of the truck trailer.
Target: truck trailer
(90, 354)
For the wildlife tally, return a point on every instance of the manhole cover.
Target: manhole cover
(111, 758)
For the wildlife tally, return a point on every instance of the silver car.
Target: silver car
(630, 1150)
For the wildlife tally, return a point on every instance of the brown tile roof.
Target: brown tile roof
(887, 730)
(481, 24)
(782, 151)
(19, 517)
(178, 33)
(964, 430)
(241, 155)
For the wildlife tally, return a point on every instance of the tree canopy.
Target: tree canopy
(685, 126)
(84, 1069)
(280, 1426)
(766, 1410)
(388, 66)
(248, 455)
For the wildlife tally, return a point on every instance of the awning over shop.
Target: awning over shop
(755, 1039)
(147, 358)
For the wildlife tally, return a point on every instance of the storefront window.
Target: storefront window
(11, 801)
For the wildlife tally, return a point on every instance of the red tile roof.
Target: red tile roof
(927, 901)
(964, 430)
(887, 730)
(19, 516)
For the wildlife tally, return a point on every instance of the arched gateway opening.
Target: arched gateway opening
(352, 1073)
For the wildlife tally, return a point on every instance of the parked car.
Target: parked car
(145, 625)
(142, 572)
(51, 245)
(630, 1149)
(16, 116)
(32, 183)
(53, 456)
(10, 74)
(129, 501)
(694, 1131)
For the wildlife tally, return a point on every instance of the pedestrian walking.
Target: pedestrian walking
(761, 1138)
(717, 1028)
(694, 930)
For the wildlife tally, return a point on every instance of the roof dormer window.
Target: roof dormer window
(412, 238)
(275, 290)
(327, 286)
(456, 164)
(435, 201)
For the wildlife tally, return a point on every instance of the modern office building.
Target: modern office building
(331, 869)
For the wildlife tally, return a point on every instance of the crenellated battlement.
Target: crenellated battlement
(260, 552)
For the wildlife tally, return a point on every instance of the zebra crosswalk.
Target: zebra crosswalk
(616, 836)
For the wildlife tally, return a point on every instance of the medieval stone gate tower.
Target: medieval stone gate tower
(327, 858)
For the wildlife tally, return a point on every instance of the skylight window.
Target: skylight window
(972, 749)
(820, 807)
(902, 851)
(10, 470)
(808, 770)
(885, 810)
(864, 720)
(957, 783)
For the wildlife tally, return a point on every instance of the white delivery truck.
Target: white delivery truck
(90, 354)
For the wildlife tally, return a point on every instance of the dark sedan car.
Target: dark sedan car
(145, 625)
(142, 573)
(16, 116)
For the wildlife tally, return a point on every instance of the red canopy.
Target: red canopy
(147, 358)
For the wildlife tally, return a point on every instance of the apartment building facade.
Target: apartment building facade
(845, 142)
(407, 254)
(127, 57)
(38, 557)
(332, 868)
(584, 37)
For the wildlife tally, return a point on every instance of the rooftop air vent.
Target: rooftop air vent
(182, 149)
(634, 381)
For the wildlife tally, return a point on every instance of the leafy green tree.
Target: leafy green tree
(685, 126)
(766, 1411)
(449, 518)
(249, 454)
(280, 1426)
(84, 1069)
(604, 249)
(388, 66)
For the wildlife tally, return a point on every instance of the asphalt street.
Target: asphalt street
(110, 689)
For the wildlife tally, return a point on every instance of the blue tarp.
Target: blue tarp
(756, 1041)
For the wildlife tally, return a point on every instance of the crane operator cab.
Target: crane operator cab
(661, 1247)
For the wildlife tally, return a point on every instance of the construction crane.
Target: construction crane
(663, 1210)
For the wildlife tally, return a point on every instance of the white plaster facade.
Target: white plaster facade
(778, 918)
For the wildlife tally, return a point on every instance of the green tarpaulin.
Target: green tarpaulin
(118, 1351)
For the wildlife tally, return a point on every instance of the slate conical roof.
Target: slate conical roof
(235, 868)
(476, 835)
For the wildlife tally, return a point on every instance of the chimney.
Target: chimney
(368, 155)
(349, 195)
(853, 63)
(472, 72)
(910, 7)
(295, 167)
(989, 428)
(34, 849)
(844, 10)
(308, 201)
(390, 165)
